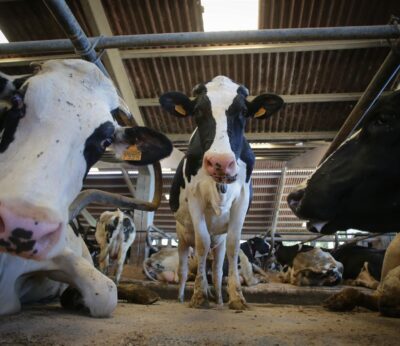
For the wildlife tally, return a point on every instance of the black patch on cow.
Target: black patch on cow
(254, 245)
(19, 241)
(22, 233)
(178, 182)
(110, 228)
(353, 258)
(3, 84)
(71, 299)
(18, 82)
(9, 121)
(93, 148)
(128, 228)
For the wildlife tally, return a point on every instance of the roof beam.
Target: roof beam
(301, 98)
(252, 49)
(270, 137)
(99, 24)
(216, 50)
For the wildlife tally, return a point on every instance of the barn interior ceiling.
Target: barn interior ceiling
(320, 82)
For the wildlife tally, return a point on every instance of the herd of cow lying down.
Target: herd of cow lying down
(56, 123)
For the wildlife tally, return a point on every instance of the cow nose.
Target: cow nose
(26, 234)
(219, 165)
(294, 198)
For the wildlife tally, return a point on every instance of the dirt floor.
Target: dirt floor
(170, 323)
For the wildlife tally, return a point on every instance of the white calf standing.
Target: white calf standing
(115, 233)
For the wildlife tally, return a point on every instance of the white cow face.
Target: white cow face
(44, 156)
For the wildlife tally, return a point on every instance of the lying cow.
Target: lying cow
(362, 265)
(211, 190)
(63, 129)
(163, 266)
(115, 233)
(304, 265)
(358, 187)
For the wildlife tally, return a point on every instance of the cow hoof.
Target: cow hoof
(199, 302)
(345, 300)
(137, 294)
(238, 304)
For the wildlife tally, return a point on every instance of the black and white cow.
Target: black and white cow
(358, 186)
(62, 130)
(362, 265)
(211, 190)
(115, 233)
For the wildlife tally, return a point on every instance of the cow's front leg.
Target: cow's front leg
(104, 261)
(202, 241)
(238, 213)
(183, 251)
(99, 293)
(218, 261)
(120, 264)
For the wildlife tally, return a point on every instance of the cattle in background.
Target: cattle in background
(211, 190)
(304, 265)
(115, 233)
(163, 266)
(362, 265)
(255, 248)
(358, 187)
(62, 131)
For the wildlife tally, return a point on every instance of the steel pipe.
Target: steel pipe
(220, 37)
(97, 196)
(387, 71)
(66, 19)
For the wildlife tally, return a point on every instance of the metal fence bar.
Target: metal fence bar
(222, 37)
(66, 19)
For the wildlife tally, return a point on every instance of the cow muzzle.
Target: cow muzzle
(28, 232)
(221, 167)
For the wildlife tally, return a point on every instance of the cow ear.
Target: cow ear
(177, 104)
(264, 106)
(140, 145)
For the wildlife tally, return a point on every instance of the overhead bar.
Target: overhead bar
(217, 37)
(66, 19)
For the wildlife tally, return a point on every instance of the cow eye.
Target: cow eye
(106, 142)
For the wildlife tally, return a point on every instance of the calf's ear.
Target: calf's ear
(177, 104)
(140, 145)
(264, 106)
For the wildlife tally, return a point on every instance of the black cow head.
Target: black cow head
(358, 186)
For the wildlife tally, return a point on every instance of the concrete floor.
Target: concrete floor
(171, 323)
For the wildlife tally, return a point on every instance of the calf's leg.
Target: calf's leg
(183, 251)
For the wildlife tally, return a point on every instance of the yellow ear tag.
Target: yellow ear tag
(262, 111)
(132, 153)
(180, 110)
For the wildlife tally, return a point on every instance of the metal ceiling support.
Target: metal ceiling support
(215, 50)
(387, 71)
(195, 38)
(83, 47)
(282, 183)
(300, 98)
(99, 25)
(252, 49)
(269, 137)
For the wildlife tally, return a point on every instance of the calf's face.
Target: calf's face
(66, 127)
(220, 110)
(358, 186)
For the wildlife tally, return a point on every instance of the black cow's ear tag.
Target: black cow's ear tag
(261, 112)
(132, 153)
(179, 109)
